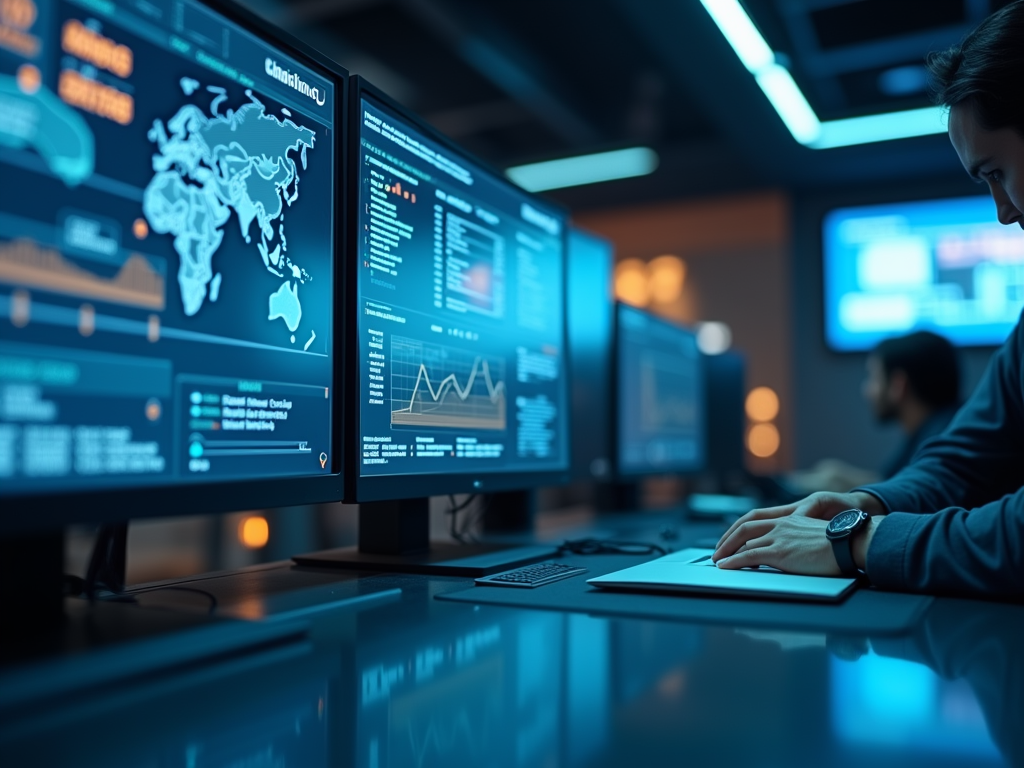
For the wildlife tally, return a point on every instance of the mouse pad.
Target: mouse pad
(866, 611)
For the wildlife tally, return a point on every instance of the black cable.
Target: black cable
(471, 519)
(609, 547)
(212, 597)
(75, 586)
(453, 511)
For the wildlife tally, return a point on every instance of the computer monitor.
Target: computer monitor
(725, 385)
(457, 345)
(659, 395)
(169, 229)
(946, 266)
(591, 341)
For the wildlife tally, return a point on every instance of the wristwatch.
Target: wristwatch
(840, 531)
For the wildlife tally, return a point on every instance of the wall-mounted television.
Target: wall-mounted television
(946, 266)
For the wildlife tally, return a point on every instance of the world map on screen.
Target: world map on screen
(210, 164)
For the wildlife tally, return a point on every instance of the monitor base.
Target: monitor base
(394, 537)
(442, 559)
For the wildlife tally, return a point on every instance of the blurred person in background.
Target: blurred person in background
(912, 380)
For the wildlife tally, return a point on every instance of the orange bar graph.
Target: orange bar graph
(136, 284)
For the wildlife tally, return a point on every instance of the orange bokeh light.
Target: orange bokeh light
(762, 404)
(763, 440)
(631, 284)
(666, 275)
(254, 532)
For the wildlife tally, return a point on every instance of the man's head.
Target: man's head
(982, 82)
(918, 371)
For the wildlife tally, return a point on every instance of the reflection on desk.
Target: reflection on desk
(418, 683)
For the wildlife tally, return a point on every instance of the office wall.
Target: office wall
(831, 418)
(737, 255)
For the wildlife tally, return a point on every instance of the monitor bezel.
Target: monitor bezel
(631, 475)
(397, 487)
(31, 513)
(578, 472)
(873, 201)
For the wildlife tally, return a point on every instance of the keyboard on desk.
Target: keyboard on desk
(530, 576)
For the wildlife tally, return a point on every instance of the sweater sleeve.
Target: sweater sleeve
(980, 456)
(978, 552)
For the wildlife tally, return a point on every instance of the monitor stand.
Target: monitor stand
(394, 537)
(618, 497)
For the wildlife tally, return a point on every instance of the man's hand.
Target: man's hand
(794, 543)
(821, 506)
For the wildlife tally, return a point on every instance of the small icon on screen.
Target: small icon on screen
(323, 460)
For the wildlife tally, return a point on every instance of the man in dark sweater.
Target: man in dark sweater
(913, 380)
(953, 521)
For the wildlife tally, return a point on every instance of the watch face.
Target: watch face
(845, 520)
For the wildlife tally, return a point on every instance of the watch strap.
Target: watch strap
(843, 551)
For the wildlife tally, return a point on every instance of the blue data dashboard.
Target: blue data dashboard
(166, 249)
(460, 315)
(661, 419)
(946, 266)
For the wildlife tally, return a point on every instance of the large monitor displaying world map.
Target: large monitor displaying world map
(167, 232)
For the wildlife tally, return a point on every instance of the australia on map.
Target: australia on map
(210, 164)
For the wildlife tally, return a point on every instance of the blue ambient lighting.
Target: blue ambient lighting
(884, 127)
(785, 95)
(787, 99)
(584, 169)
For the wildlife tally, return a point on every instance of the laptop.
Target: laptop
(691, 571)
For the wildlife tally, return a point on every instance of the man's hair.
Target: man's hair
(986, 71)
(930, 364)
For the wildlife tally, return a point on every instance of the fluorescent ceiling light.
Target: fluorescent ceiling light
(584, 169)
(789, 101)
(884, 127)
(741, 33)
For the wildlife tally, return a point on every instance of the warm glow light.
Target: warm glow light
(713, 338)
(763, 440)
(631, 284)
(666, 275)
(762, 404)
(254, 532)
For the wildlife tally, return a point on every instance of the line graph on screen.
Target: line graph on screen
(433, 385)
(667, 394)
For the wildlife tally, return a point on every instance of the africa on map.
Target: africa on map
(211, 164)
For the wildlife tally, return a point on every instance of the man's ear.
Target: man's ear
(898, 386)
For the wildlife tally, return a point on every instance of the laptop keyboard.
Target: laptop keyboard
(530, 576)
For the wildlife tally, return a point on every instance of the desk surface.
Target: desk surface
(411, 681)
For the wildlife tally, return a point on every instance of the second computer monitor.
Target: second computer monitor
(460, 318)
(660, 419)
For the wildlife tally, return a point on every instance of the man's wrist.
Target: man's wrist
(868, 503)
(862, 541)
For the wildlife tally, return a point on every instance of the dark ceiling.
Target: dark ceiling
(521, 80)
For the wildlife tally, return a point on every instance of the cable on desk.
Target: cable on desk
(212, 597)
(461, 533)
(609, 547)
(75, 586)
